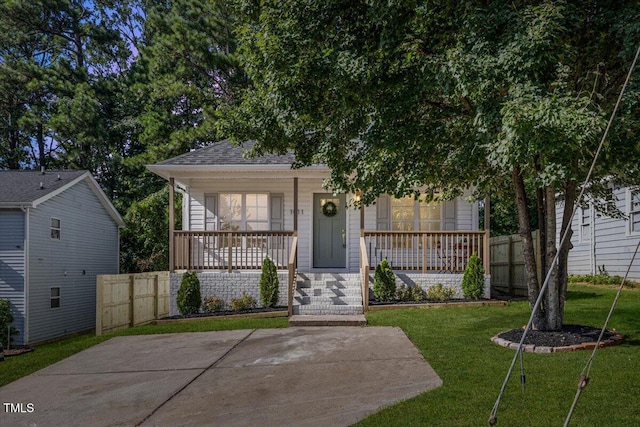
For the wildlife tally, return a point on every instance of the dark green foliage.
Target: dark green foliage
(189, 298)
(602, 279)
(384, 282)
(5, 319)
(269, 283)
(245, 302)
(473, 279)
(403, 293)
(417, 293)
(213, 304)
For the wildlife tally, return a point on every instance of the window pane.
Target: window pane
(635, 222)
(55, 223)
(55, 292)
(402, 226)
(430, 211)
(255, 226)
(635, 201)
(429, 226)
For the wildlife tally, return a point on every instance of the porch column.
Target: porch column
(361, 217)
(487, 235)
(295, 204)
(171, 223)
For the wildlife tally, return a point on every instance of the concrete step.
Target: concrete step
(327, 284)
(329, 276)
(315, 309)
(328, 320)
(319, 292)
(328, 300)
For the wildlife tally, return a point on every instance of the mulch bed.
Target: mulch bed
(225, 313)
(16, 351)
(570, 338)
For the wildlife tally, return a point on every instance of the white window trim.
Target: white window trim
(416, 215)
(243, 219)
(585, 237)
(59, 297)
(630, 212)
(52, 228)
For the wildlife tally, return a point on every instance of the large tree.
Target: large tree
(396, 95)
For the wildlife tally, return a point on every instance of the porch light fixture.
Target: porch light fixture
(357, 196)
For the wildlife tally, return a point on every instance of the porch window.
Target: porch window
(244, 211)
(408, 214)
(634, 210)
(55, 228)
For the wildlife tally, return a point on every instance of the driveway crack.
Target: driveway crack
(177, 392)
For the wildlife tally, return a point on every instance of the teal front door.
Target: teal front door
(329, 231)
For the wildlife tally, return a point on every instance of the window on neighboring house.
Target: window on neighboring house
(55, 297)
(634, 210)
(585, 224)
(55, 228)
(244, 211)
(408, 214)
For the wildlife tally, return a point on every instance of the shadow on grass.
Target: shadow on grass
(576, 295)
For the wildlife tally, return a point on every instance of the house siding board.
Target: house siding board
(612, 247)
(88, 247)
(12, 267)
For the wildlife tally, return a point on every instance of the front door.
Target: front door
(329, 231)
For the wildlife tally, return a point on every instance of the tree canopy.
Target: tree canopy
(396, 96)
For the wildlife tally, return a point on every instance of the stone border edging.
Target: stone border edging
(617, 338)
(265, 314)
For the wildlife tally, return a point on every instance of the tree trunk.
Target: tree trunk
(563, 256)
(524, 229)
(553, 313)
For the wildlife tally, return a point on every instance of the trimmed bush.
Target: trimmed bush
(417, 294)
(213, 304)
(269, 290)
(403, 293)
(473, 279)
(438, 292)
(245, 302)
(189, 298)
(384, 282)
(5, 319)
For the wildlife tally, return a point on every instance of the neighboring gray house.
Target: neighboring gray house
(599, 240)
(58, 230)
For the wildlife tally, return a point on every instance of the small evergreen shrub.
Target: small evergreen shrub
(438, 292)
(189, 298)
(5, 319)
(473, 279)
(384, 282)
(269, 283)
(245, 302)
(213, 304)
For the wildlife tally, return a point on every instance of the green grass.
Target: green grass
(456, 342)
(17, 367)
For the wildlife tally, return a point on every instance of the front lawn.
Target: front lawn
(456, 343)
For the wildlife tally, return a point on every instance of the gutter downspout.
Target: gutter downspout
(26, 211)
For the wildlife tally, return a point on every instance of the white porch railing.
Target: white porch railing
(439, 251)
(229, 250)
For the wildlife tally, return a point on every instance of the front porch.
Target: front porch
(423, 258)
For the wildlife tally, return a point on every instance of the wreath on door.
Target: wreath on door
(329, 209)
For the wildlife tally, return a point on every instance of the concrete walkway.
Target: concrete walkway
(315, 376)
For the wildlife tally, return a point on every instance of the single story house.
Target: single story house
(58, 230)
(602, 243)
(236, 211)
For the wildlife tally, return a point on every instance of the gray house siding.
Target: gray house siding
(12, 267)
(88, 246)
(608, 242)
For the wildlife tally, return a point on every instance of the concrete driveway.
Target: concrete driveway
(304, 376)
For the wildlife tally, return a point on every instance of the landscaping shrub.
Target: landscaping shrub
(5, 319)
(403, 293)
(269, 283)
(384, 282)
(189, 298)
(417, 294)
(213, 304)
(473, 279)
(245, 302)
(438, 292)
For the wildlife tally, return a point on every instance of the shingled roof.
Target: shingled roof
(27, 189)
(226, 153)
(24, 187)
